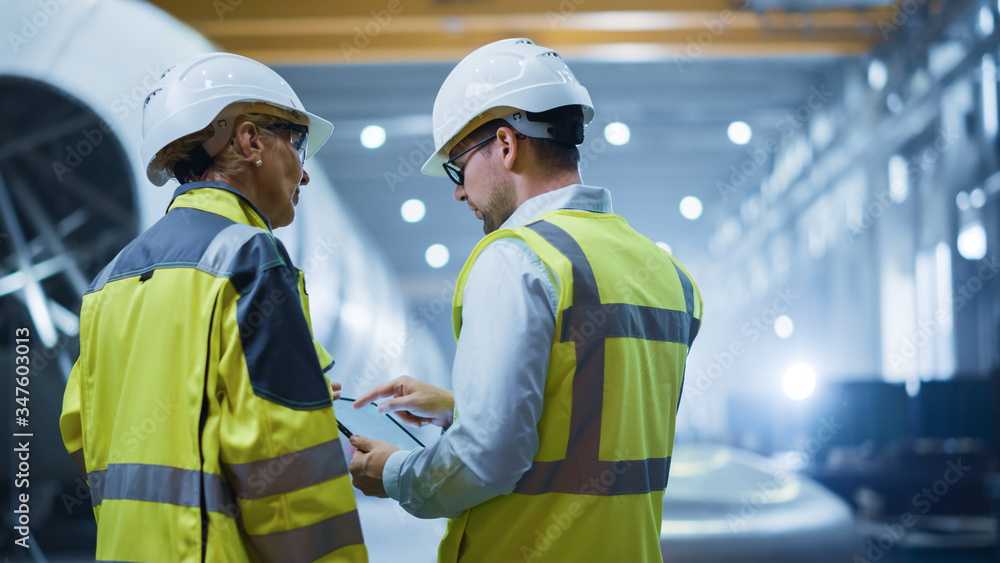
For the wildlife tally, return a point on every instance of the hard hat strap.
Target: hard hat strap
(565, 123)
(562, 125)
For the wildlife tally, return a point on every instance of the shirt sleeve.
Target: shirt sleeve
(508, 323)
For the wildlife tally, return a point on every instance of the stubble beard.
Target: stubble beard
(499, 206)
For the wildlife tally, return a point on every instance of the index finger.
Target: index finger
(384, 390)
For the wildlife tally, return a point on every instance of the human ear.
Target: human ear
(509, 144)
(248, 141)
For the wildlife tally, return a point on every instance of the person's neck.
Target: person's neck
(531, 186)
(243, 184)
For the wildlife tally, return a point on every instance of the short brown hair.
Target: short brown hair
(560, 155)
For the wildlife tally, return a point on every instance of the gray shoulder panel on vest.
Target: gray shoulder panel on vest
(102, 278)
(219, 255)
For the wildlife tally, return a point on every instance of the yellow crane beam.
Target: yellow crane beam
(310, 32)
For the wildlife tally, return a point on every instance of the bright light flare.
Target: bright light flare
(739, 132)
(691, 207)
(437, 255)
(617, 133)
(372, 137)
(412, 210)
(800, 381)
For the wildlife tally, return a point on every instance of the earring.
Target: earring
(259, 162)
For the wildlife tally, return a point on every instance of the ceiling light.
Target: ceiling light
(617, 133)
(899, 178)
(691, 207)
(783, 326)
(985, 23)
(739, 132)
(972, 241)
(977, 198)
(665, 246)
(962, 200)
(878, 74)
(436, 255)
(372, 137)
(412, 210)
(894, 103)
(799, 381)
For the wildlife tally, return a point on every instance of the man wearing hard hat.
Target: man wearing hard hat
(573, 332)
(198, 408)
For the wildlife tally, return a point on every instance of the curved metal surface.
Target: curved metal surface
(724, 504)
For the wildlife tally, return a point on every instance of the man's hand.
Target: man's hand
(414, 401)
(367, 464)
(336, 388)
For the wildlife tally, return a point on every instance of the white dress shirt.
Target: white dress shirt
(501, 362)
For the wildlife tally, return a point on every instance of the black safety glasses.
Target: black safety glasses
(457, 174)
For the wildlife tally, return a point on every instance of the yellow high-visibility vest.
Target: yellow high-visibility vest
(198, 407)
(627, 315)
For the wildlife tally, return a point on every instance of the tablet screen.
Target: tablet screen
(367, 422)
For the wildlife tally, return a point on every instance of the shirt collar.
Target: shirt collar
(574, 196)
(219, 207)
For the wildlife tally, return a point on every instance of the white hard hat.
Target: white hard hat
(494, 82)
(215, 88)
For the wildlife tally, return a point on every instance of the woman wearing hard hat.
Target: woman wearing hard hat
(198, 408)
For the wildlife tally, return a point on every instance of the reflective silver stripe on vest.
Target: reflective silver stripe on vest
(159, 483)
(623, 320)
(627, 477)
(588, 322)
(694, 323)
(288, 472)
(310, 543)
(688, 287)
(220, 253)
(584, 284)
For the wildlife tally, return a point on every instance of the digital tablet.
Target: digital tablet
(367, 422)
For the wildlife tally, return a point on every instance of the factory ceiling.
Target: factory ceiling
(296, 32)
(694, 67)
